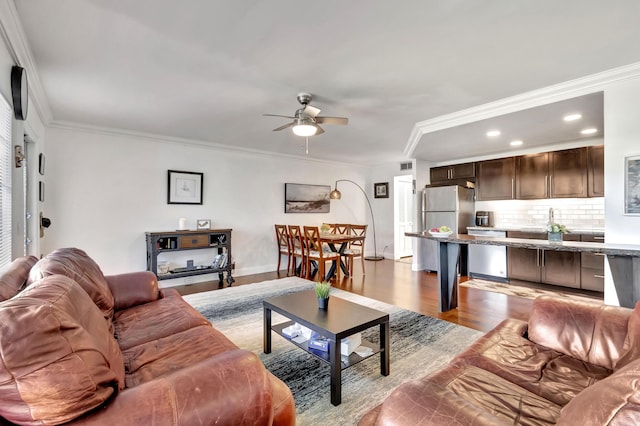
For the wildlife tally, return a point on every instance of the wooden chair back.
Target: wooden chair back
(296, 238)
(282, 236)
(358, 231)
(342, 228)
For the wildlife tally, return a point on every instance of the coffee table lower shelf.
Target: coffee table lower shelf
(353, 358)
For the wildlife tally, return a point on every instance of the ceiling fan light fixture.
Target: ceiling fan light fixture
(304, 127)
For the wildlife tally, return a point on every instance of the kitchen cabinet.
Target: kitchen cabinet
(555, 174)
(592, 266)
(568, 173)
(496, 179)
(452, 172)
(532, 175)
(560, 268)
(595, 171)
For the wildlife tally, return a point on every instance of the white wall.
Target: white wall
(104, 191)
(622, 138)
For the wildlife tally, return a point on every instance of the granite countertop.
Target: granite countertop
(575, 246)
(536, 228)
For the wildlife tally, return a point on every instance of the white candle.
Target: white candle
(182, 224)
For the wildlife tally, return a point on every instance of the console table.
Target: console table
(172, 241)
(624, 263)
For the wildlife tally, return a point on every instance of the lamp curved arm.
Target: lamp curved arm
(373, 222)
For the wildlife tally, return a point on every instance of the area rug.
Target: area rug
(527, 292)
(419, 345)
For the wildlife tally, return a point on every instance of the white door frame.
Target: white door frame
(402, 215)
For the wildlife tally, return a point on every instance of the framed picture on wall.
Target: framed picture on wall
(300, 198)
(184, 187)
(381, 190)
(632, 185)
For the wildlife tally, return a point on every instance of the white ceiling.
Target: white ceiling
(207, 70)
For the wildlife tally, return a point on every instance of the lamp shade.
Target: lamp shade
(304, 127)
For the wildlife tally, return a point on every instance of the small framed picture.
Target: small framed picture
(184, 187)
(203, 224)
(632, 185)
(381, 190)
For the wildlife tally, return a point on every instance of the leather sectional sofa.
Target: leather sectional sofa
(573, 363)
(81, 348)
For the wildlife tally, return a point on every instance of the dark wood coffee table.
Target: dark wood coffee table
(340, 320)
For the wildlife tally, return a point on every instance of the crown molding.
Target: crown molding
(115, 132)
(558, 92)
(16, 41)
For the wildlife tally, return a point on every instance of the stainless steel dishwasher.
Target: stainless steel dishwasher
(488, 262)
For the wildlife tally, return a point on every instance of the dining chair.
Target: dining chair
(284, 246)
(342, 228)
(356, 248)
(297, 250)
(314, 252)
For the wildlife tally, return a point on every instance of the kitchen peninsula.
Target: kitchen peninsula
(624, 262)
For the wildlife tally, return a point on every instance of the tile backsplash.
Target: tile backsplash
(576, 213)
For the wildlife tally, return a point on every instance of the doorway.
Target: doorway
(403, 215)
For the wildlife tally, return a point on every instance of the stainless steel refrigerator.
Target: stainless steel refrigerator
(452, 206)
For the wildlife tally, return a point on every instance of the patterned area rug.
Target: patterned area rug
(528, 292)
(419, 345)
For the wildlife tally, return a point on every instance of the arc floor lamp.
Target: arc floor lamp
(336, 195)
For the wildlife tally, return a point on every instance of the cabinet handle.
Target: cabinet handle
(542, 258)
(598, 276)
(537, 257)
(599, 254)
(550, 184)
(599, 238)
(512, 189)
(546, 183)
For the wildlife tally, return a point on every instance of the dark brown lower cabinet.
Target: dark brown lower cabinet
(543, 266)
(592, 270)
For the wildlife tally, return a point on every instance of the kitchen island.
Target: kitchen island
(624, 262)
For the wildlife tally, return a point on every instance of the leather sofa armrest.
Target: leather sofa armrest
(230, 388)
(133, 288)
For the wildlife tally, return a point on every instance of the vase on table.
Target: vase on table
(555, 237)
(323, 303)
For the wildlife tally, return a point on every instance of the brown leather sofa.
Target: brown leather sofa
(573, 363)
(81, 348)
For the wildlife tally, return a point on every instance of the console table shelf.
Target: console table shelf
(176, 241)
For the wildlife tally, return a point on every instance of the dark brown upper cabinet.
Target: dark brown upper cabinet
(568, 173)
(496, 179)
(595, 171)
(453, 172)
(532, 176)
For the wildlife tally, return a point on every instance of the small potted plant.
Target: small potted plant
(555, 231)
(322, 292)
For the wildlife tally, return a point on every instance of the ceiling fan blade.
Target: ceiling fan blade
(333, 120)
(311, 111)
(320, 131)
(277, 115)
(284, 126)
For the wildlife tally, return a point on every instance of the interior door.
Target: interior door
(403, 190)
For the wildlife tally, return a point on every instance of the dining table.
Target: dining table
(338, 243)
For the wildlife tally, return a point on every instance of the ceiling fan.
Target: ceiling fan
(306, 119)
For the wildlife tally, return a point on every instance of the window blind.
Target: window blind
(5, 182)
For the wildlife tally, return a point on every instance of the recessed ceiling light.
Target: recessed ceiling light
(515, 143)
(493, 133)
(589, 131)
(572, 117)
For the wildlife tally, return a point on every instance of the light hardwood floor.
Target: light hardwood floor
(394, 282)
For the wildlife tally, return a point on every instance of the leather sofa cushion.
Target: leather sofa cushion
(14, 276)
(145, 323)
(614, 401)
(154, 359)
(591, 332)
(505, 351)
(77, 265)
(58, 359)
